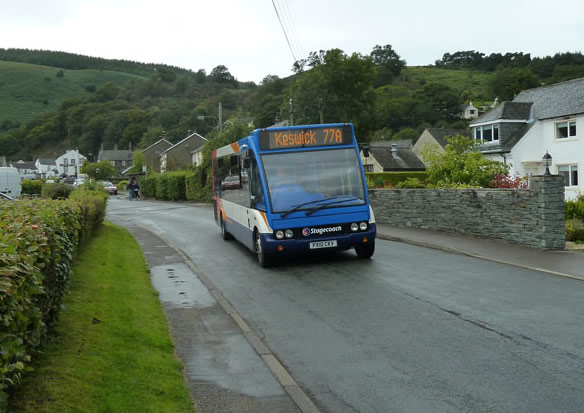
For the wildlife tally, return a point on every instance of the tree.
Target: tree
(100, 170)
(461, 164)
(221, 74)
(339, 88)
(387, 63)
(508, 82)
(139, 161)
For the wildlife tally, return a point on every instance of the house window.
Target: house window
(566, 129)
(72, 161)
(65, 162)
(570, 174)
(368, 168)
(487, 133)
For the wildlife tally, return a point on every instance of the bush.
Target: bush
(32, 187)
(198, 186)
(575, 230)
(392, 178)
(122, 186)
(38, 243)
(575, 209)
(175, 189)
(56, 191)
(410, 183)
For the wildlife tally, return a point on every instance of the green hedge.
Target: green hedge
(177, 186)
(381, 179)
(32, 187)
(575, 209)
(56, 191)
(38, 243)
(198, 186)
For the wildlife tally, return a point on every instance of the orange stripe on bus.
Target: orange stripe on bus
(263, 214)
(235, 147)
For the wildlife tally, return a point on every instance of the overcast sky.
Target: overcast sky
(246, 35)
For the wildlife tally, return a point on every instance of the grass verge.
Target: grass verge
(112, 350)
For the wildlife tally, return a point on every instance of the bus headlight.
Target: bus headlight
(354, 227)
(289, 233)
(363, 226)
(280, 234)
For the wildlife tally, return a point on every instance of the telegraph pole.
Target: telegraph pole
(220, 121)
(291, 111)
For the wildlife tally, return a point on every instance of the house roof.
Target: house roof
(440, 134)
(160, 141)
(198, 139)
(404, 158)
(46, 161)
(24, 164)
(559, 99)
(115, 155)
(506, 110)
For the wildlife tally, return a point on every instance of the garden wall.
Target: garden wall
(534, 217)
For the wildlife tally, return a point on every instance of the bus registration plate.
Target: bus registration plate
(323, 244)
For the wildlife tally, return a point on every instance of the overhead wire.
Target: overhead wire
(284, 30)
(292, 28)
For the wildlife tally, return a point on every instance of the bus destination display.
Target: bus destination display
(300, 138)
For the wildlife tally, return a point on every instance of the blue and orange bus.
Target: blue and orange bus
(294, 189)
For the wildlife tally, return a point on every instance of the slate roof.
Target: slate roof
(198, 139)
(440, 134)
(557, 100)
(24, 165)
(405, 159)
(166, 143)
(115, 155)
(47, 161)
(506, 110)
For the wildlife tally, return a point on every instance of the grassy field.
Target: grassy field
(474, 81)
(28, 90)
(112, 351)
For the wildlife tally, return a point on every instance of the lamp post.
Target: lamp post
(202, 117)
(547, 162)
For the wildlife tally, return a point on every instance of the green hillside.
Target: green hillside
(475, 83)
(27, 90)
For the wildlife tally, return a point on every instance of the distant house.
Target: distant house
(3, 162)
(544, 119)
(469, 111)
(437, 137)
(152, 154)
(70, 163)
(179, 156)
(46, 167)
(386, 156)
(197, 156)
(119, 158)
(26, 169)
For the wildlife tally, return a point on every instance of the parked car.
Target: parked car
(231, 182)
(109, 187)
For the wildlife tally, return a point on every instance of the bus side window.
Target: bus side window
(255, 185)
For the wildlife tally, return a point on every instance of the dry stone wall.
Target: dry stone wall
(534, 217)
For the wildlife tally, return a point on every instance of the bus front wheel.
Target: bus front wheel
(365, 251)
(263, 258)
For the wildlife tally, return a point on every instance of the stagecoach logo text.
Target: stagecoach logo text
(312, 231)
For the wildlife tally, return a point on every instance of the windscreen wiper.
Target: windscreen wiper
(338, 201)
(297, 207)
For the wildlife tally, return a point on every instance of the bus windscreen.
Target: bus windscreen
(309, 179)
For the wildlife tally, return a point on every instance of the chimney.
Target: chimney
(130, 146)
(394, 151)
(115, 147)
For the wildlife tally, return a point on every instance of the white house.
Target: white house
(545, 119)
(70, 163)
(46, 167)
(469, 111)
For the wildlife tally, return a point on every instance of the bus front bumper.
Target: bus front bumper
(272, 245)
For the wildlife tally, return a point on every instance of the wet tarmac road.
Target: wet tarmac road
(411, 330)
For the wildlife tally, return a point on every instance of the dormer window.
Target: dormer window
(487, 134)
(566, 129)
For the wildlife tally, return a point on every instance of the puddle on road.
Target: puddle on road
(179, 287)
